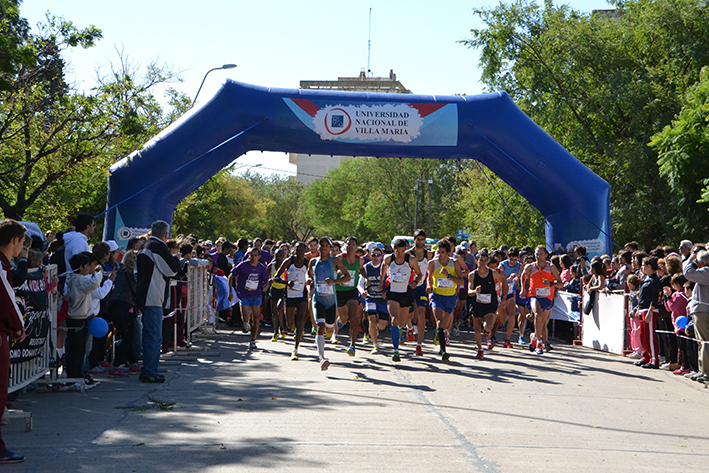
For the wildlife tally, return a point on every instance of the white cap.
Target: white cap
(113, 246)
(685, 244)
(371, 245)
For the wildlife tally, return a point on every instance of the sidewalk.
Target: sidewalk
(569, 410)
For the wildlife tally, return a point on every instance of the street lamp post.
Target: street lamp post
(225, 66)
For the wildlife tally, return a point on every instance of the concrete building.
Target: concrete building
(313, 167)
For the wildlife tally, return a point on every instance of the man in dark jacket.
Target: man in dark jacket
(155, 266)
(12, 325)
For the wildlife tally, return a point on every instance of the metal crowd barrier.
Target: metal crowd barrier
(200, 298)
(26, 372)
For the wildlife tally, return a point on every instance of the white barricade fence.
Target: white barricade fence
(200, 298)
(605, 327)
(34, 357)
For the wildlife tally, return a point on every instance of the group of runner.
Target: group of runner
(368, 289)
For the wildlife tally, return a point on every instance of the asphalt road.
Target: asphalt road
(573, 409)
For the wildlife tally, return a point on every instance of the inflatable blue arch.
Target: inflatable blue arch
(490, 128)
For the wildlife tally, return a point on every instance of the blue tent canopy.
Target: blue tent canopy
(490, 128)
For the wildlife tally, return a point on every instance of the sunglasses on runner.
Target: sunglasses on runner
(376, 255)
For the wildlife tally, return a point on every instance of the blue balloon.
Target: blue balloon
(681, 322)
(98, 327)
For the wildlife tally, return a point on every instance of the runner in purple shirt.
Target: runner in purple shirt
(250, 278)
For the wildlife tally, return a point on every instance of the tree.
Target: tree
(45, 130)
(602, 85)
(283, 211)
(683, 148)
(220, 207)
(14, 52)
(374, 198)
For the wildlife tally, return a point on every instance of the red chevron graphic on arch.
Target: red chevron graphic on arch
(307, 105)
(426, 109)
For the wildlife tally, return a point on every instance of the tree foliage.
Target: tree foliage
(374, 198)
(56, 143)
(602, 85)
(683, 148)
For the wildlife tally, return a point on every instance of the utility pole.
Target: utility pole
(416, 207)
(430, 181)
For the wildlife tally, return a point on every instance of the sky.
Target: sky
(278, 43)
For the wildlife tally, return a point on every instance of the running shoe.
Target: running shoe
(7, 457)
(396, 358)
(522, 340)
(665, 366)
(339, 323)
(636, 355)
(481, 354)
(455, 331)
(329, 335)
(275, 337)
(334, 339)
(313, 331)
(149, 378)
(98, 370)
(691, 375)
(540, 349)
(435, 337)
(247, 327)
(419, 350)
(367, 339)
(134, 369)
(682, 370)
(252, 345)
(549, 347)
(375, 350)
(105, 364)
(324, 365)
(281, 335)
(294, 355)
(410, 334)
(508, 344)
(445, 358)
(490, 345)
(90, 381)
(351, 350)
(117, 373)
(532, 345)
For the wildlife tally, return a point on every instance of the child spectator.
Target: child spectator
(99, 301)
(677, 303)
(84, 280)
(122, 313)
(633, 282)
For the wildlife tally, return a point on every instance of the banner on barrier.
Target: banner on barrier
(32, 298)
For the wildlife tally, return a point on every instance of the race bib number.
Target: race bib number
(251, 284)
(398, 277)
(511, 286)
(325, 289)
(351, 282)
(446, 283)
(484, 298)
(298, 286)
(371, 306)
(543, 292)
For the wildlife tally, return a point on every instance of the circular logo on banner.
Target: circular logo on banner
(337, 121)
(124, 233)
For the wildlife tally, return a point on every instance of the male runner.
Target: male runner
(250, 278)
(483, 297)
(542, 277)
(322, 275)
(403, 274)
(422, 256)
(296, 272)
(443, 281)
(347, 293)
(511, 268)
(375, 304)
